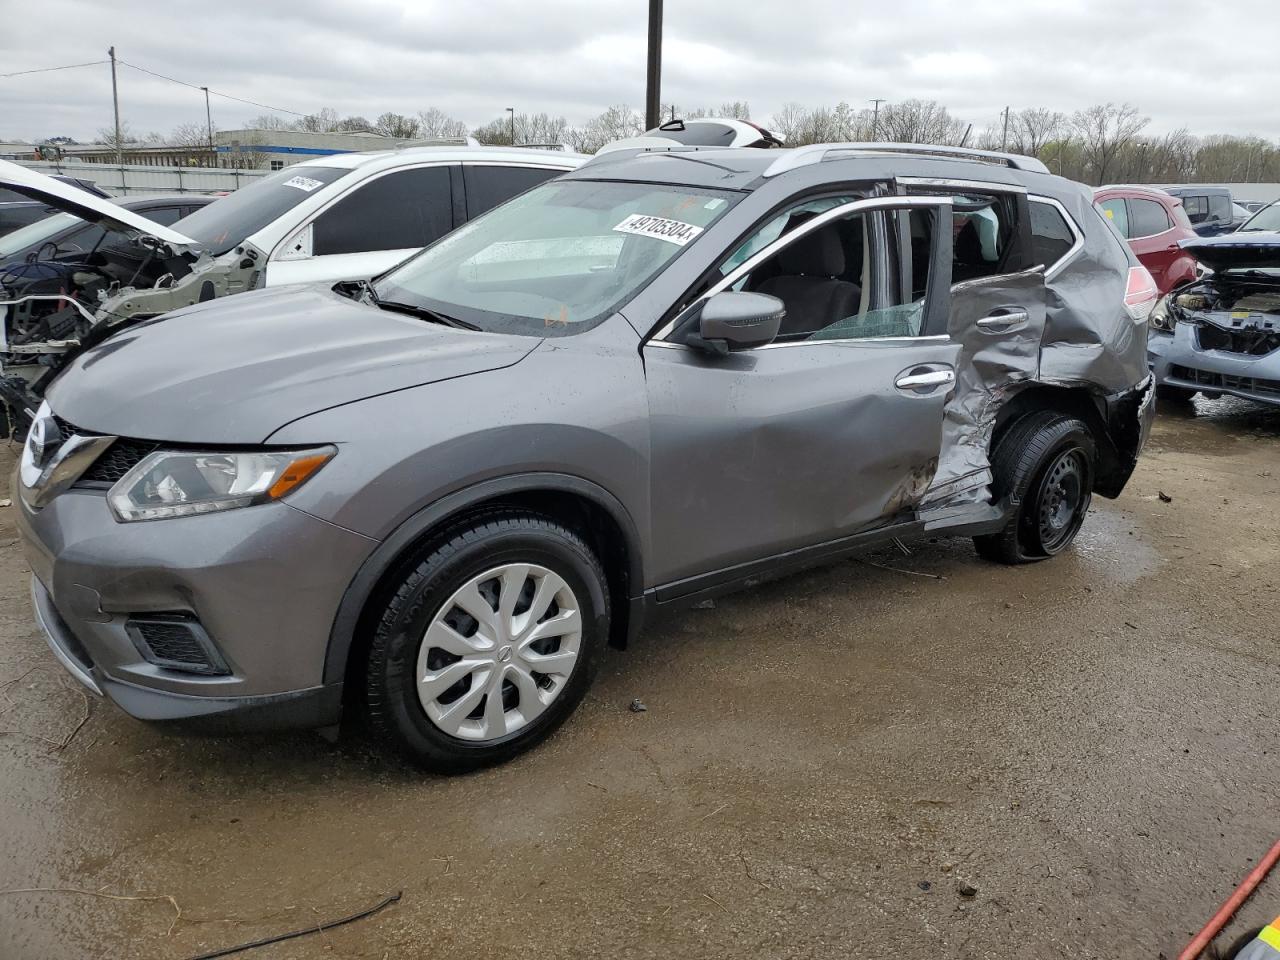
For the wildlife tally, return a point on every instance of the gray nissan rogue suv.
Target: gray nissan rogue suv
(439, 495)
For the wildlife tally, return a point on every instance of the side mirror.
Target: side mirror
(737, 321)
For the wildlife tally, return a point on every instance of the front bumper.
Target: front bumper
(262, 582)
(1176, 360)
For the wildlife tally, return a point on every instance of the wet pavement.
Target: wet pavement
(826, 764)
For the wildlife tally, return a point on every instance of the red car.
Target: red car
(1153, 222)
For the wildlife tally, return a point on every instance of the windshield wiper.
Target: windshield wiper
(422, 313)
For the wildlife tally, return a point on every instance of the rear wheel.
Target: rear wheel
(489, 642)
(1045, 464)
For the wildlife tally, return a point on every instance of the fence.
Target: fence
(130, 180)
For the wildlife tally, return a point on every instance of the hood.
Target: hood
(1236, 251)
(234, 371)
(69, 199)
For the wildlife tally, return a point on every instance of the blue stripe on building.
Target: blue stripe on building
(259, 148)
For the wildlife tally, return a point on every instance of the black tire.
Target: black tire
(1172, 394)
(1045, 464)
(395, 712)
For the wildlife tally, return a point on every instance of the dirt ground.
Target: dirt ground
(825, 761)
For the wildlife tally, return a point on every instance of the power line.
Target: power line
(196, 86)
(69, 66)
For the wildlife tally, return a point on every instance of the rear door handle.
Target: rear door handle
(917, 379)
(1001, 320)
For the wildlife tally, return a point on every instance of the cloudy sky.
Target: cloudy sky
(1192, 64)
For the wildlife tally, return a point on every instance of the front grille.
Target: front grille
(117, 460)
(175, 641)
(1225, 381)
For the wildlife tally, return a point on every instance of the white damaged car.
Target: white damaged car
(344, 217)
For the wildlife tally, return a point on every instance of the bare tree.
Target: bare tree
(1104, 130)
(269, 121)
(434, 123)
(791, 122)
(107, 135)
(324, 120)
(354, 124)
(616, 123)
(1032, 128)
(192, 141)
(396, 125)
(919, 121)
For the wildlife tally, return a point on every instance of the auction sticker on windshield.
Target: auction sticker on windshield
(660, 228)
(303, 183)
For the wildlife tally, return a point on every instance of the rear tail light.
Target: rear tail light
(1140, 294)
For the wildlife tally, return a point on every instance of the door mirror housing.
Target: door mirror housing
(733, 320)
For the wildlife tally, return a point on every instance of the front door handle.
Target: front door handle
(999, 321)
(917, 379)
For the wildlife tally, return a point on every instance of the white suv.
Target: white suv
(351, 216)
(346, 217)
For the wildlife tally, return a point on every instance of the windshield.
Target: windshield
(228, 221)
(559, 258)
(1268, 218)
(33, 233)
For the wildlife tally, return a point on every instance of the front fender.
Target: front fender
(432, 517)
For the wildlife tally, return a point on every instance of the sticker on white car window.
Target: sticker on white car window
(660, 228)
(303, 183)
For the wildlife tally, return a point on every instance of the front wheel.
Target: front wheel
(1044, 464)
(489, 642)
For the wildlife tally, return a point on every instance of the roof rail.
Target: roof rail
(817, 152)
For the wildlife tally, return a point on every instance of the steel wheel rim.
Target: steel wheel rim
(499, 652)
(1062, 494)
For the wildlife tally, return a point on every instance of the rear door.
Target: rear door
(369, 229)
(833, 429)
(996, 318)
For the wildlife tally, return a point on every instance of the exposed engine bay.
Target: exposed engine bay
(54, 308)
(1237, 312)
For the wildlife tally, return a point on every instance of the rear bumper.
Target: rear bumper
(1176, 360)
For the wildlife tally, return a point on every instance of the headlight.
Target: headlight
(1161, 317)
(180, 483)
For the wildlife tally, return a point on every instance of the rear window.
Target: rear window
(488, 186)
(228, 221)
(1051, 236)
(1147, 217)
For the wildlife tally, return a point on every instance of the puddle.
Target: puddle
(1111, 545)
(1214, 427)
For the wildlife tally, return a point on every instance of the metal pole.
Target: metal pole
(115, 105)
(208, 119)
(875, 120)
(653, 80)
(512, 111)
(1004, 139)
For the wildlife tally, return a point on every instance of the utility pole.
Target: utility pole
(512, 111)
(115, 105)
(1004, 139)
(208, 119)
(653, 88)
(875, 120)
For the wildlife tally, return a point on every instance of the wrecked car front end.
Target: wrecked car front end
(1221, 334)
(52, 309)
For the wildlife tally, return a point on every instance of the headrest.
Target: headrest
(820, 254)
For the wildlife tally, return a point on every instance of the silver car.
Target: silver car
(1220, 334)
(670, 373)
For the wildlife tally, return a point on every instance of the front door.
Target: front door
(833, 429)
